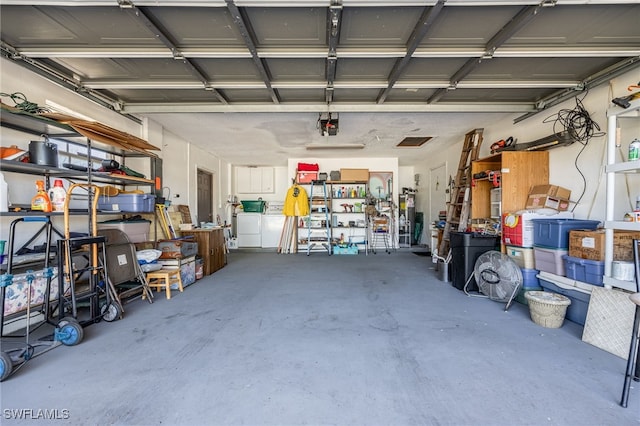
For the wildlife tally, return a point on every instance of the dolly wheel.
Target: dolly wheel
(6, 365)
(70, 332)
(110, 312)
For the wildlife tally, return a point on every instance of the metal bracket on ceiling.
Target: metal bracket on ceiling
(125, 4)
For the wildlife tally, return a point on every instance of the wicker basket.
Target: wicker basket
(547, 309)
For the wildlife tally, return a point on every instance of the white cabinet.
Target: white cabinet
(613, 218)
(254, 180)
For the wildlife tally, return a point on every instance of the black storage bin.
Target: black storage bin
(466, 247)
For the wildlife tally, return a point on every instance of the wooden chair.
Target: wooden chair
(163, 278)
(633, 362)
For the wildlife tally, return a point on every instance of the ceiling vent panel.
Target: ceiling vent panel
(414, 141)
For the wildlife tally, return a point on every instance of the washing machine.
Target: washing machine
(249, 229)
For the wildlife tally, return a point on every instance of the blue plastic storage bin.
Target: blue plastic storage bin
(577, 310)
(130, 203)
(554, 233)
(587, 271)
(530, 278)
(529, 283)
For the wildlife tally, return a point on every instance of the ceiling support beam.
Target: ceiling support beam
(161, 34)
(522, 18)
(313, 108)
(249, 40)
(428, 17)
(62, 80)
(590, 82)
(334, 22)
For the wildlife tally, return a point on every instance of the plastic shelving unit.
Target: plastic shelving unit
(613, 169)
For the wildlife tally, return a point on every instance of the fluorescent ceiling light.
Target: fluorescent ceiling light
(340, 146)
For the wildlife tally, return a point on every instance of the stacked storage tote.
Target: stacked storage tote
(551, 248)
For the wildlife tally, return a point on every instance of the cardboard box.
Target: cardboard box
(548, 196)
(355, 175)
(590, 244)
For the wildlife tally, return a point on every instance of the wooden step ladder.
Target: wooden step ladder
(460, 202)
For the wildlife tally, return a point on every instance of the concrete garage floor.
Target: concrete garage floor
(289, 340)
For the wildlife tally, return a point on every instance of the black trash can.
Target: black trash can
(466, 247)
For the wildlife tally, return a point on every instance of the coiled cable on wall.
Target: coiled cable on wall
(577, 122)
(581, 128)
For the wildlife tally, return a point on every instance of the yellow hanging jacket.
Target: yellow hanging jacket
(297, 202)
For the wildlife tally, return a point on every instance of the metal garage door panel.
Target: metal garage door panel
(167, 95)
(229, 69)
(495, 95)
(283, 26)
(304, 69)
(434, 69)
(467, 27)
(301, 95)
(364, 69)
(199, 26)
(73, 26)
(377, 26)
(409, 95)
(355, 95)
(592, 25)
(539, 69)
(130, 68)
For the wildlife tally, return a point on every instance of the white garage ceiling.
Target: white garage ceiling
(249, 79)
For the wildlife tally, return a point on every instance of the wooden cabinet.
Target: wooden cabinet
(211, 248)
(255, 180)
(519, 171)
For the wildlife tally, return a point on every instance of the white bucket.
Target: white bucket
(622, 270)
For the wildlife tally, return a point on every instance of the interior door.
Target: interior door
(205, 196)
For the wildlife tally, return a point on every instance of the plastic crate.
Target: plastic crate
(307, 177)
(554, 233)
(345, 250)
(137, 230)
(577, 311)
(130, 203)
(517, 229)
(252, 206)
(523, 256)
(530, 278)
(549, 260)
(587, 271)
